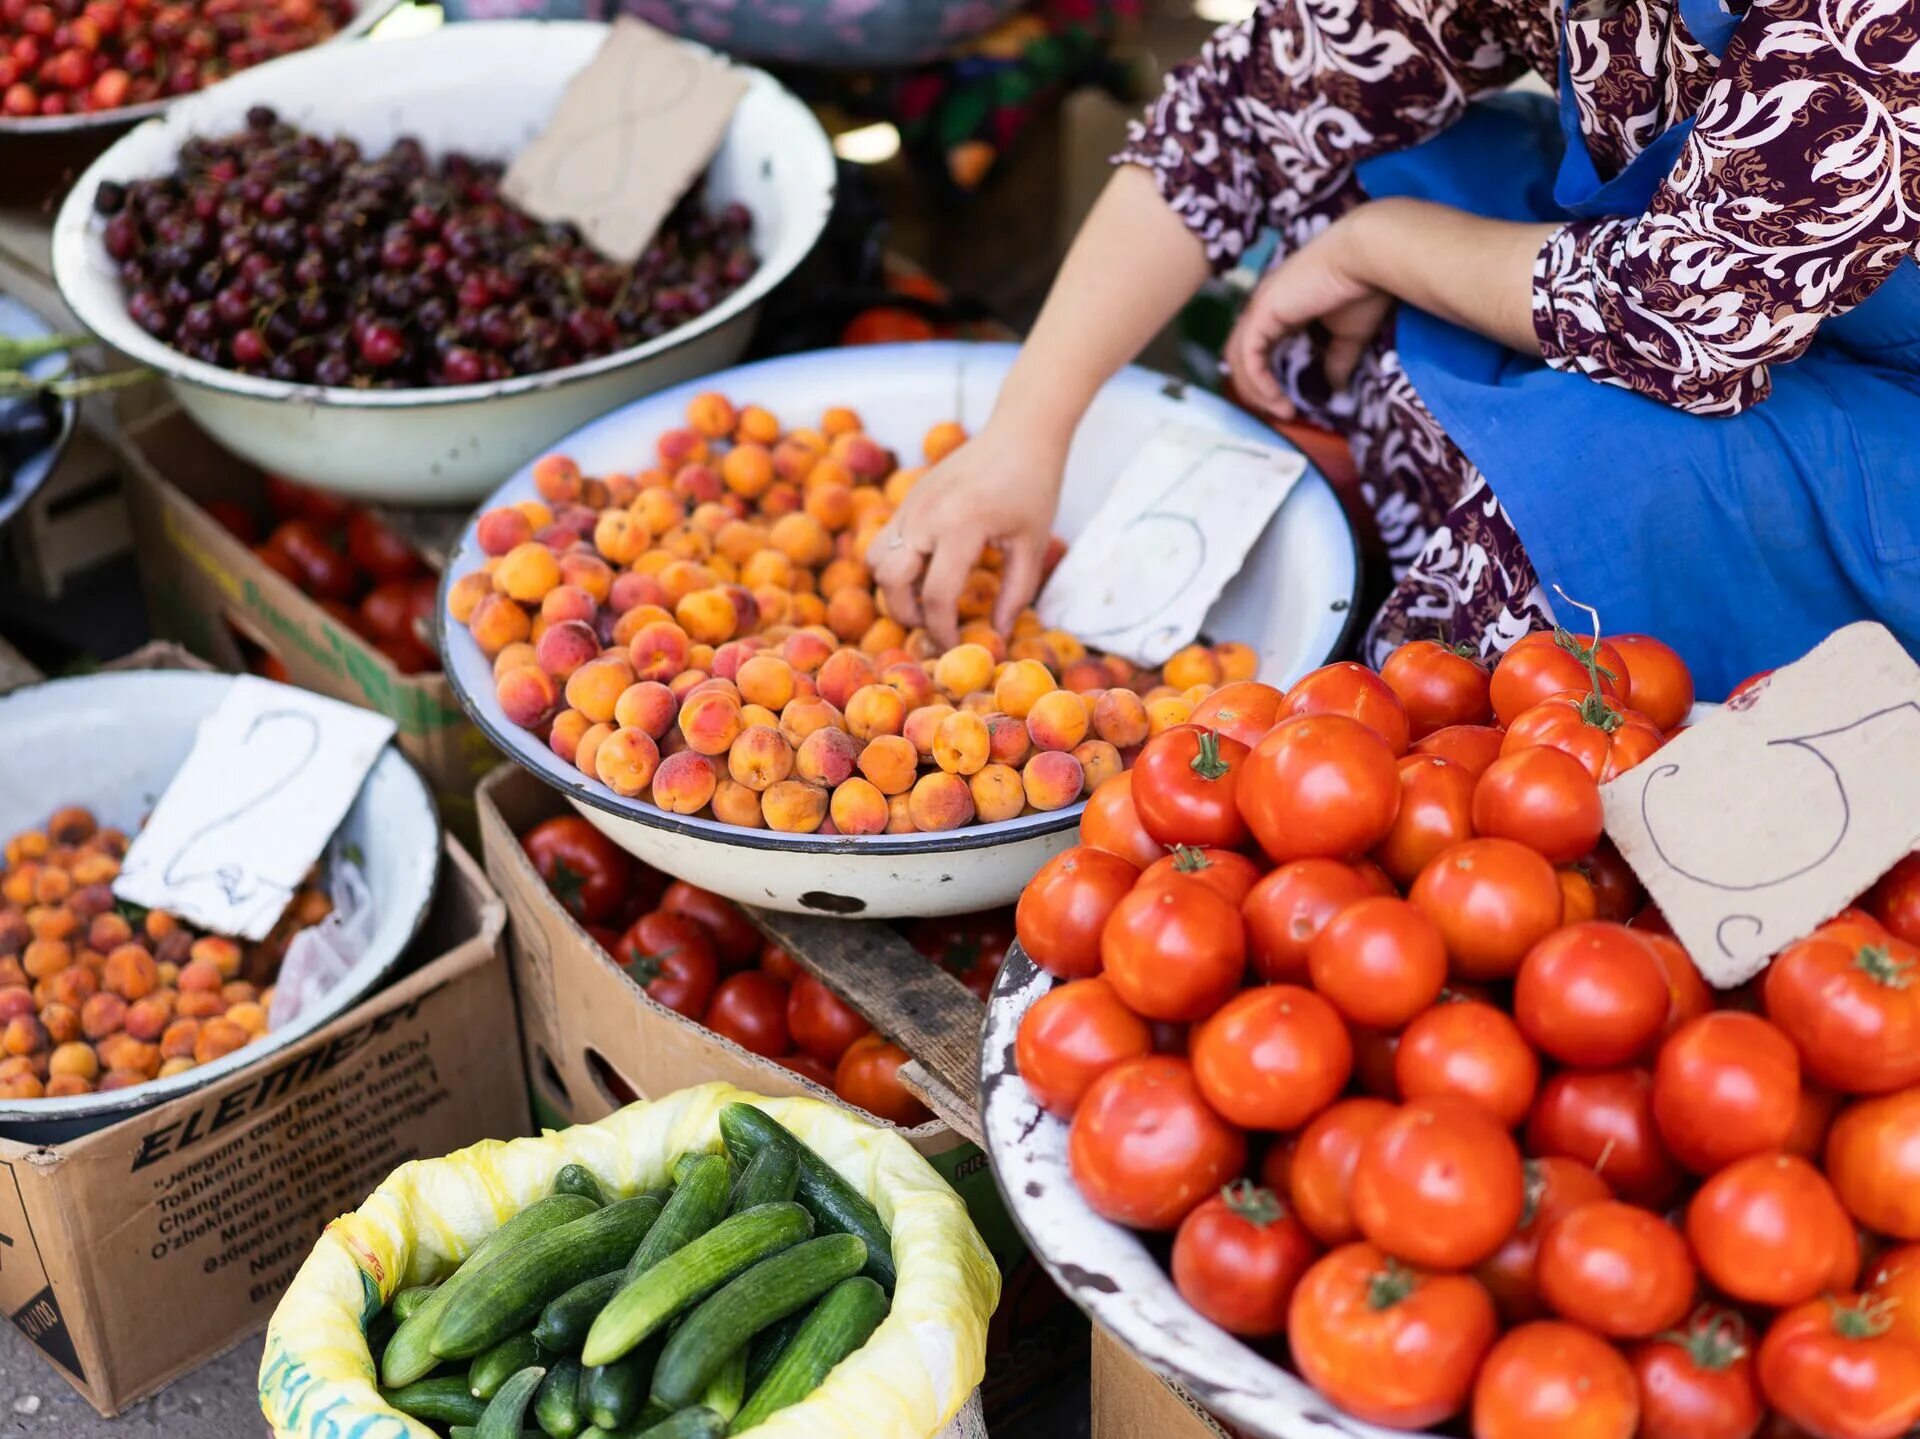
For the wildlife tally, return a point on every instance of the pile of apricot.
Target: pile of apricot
(706, 633)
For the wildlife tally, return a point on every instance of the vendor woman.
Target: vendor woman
(1656, 345)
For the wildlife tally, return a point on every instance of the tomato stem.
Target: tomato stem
(1865, 1318)
(1882, 968)
(646, 968)
(1534, 1190)
(1208, 764)
(1714, 1338)
(1390, 1285)
(1257, 1205)
(1190, 860)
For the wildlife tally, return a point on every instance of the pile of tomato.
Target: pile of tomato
(696, 953)
(1360, 1006)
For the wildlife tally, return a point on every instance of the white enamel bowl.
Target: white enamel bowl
(134, 729)
(485, 89)
(1293, 601)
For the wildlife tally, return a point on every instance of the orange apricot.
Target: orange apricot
(940, 801)
(997, 793)
(851, 613)
(626, 761)
(566, 602)
(807, 652)
(858, 807)
(838, 420)
(737, 804)
(1099, 762)
(1194, 665)
(794, 807)
(595, 688)
(802, 539)
(218, 1038)
(964, 669)
(502, 528)
(845, 671)
(875, 709)
(1120, 718)
(747, 470)
(683, 783)
(710, 720)
(922, 725)
(647, 705)
(756, 425)
(1084, 675)
(497, 622)
(527, 572)
(1007, 739)
(1057, 721)
(1166, 711)
(1052, 780)
(942, 440)
(760, 758)
(802, 717)
(962, 743)
(890, 762)
(565, 647)
(766, 679)
(658, 650)
(1019, 686)
(809, 609)
(827, 757)
(680, 447)
(1237, 661)
(658, 511)
(586, 749)
(844, 573)
(707, 616)
(563, 737)
(712, 415)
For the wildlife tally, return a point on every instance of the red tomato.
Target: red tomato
(1852, 1009)
(1687, 994)
(1554, 1379)
(1373, 1057)
(235, 518)
(1726, 1085)
(1895, 901)
(1319, 785)
(1064, 908)
(288, 499)
(1697, 1383)
(1831, 1366)
(671, 957)
(1605, 737)
(1436, 811)
(1355, 691)
(1439, 1185)
(1226, 872)
(1591, 995)
(386, 611)
(778, 963)
(1244, 710)
(1657, 678)
(1473, 747)
(1545, 663)
(1604, 1119)
(1144, 1148)
(802, 1063)
(1542, 797)
(1493, 900)
(1173, 952)
(1440, 685)
(735, 940)
(1577, 904)
(408, 655)
(1184, 784)
(1388, 1344)
(1238, 1257)
(378, 550)
(1320, 1176)
(1379, 962)
(318, 568)
(1617, 1269)
(970, 947)
(1273, 1057)
(1289, 906)
(1111, 823)
(750, 1008)
(1616, 889)
(868, 1077)
(821, 1022)
(1555, 1186)
(1812, 1118)
(1469, 1051)
(1071, 1036)
(1873, 1158)
(587, 872)
(1748, 691)
(1375, 876)
(1895, 1280)
(1768, 1229)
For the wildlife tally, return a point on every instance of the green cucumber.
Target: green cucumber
(556, 1407)
(578, 1179)
(409, 1356)
(769, 1344)
(467, 1431)
(614, 1395)
(509, 1406)
(408, 1300)
(564, 1322)
(513, 1285)
(835, 1205)
(696, 1206)
(727, 1390)
(683, 1278)
(694, 1423)
(442, 1401)
(683, 1166)
(839, 1324)
(768, 1178)
(497, 1365)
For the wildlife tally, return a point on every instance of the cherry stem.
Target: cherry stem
(1208, 764)
(1881, 967)
(1258, 1206)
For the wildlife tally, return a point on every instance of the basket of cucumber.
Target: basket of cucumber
(707, 1264)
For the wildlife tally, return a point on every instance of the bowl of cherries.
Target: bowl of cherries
(318, 257)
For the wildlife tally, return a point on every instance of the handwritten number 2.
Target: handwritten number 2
(239, 885)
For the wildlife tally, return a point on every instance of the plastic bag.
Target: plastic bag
(912, 1376)
(319, 956)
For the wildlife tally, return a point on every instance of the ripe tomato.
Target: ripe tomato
(386, 611)
(1605, 737)
(1355, 691)
(1616, 889)
(1373, 1054)
(1436, 811)
(1687, 994)
(1617, 1269)
(1545, 663)
(1473, 747)
(1184, 786)
(970, 947)
(1469, 1051)
(1439, 1184)
(1439, 685)
(1320, 1174)
(587, 872)
(378, 550)
(1289, 906)
(804, 1064)
(735, 940)
(1698, 1383)
(1873, 1158)
(1144, 1148)
(1319, 785)
(1111, 823)
(1071, 1036)
(868, 1077)
(1591, 995)
(1577, 904)
(1768, 1229)
(1545, 799)
(671, 957)
(235, 518)
(1657, 678)
(1726, 1085)
(288, 498)
(1379, 962)
(1895, 900)
(1555, 1186)
(1852, 1009)
(1244, 710)
(1493, 900)
(1227, 872)
(1604, 1119)
(1174, 951)
(750, 1008)
(820, 1021)
(778, 963)
(1832, 1366)
(319, 569)
(1812, 1118)
(1238, 1257)
(1388, 1344)
(1065, 906)
(1554, 1379)
(1273, 1057)
(1895, 1279)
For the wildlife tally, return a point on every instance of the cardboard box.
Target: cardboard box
(140, 1251)
(1130, 1401)
(202, 584)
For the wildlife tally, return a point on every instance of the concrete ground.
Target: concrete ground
(214, 1402)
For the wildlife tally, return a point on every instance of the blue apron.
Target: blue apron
(1742, 541)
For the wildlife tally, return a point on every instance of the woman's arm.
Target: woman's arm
(1476, 273)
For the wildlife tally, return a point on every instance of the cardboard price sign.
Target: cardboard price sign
(1773, 814)
(627, 139)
